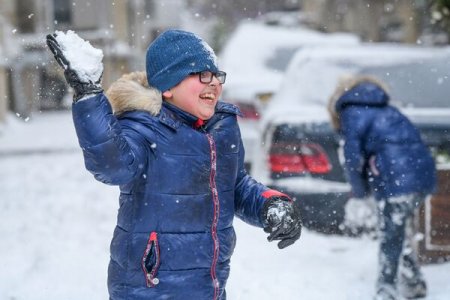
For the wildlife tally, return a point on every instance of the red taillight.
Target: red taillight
(301, 158)
(249, 111)
(286, 163)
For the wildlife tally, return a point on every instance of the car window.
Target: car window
(280, 58)
(419, 84)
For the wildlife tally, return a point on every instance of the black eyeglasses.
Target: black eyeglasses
(207, 76)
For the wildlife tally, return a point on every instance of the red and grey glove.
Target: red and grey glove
(282, 220)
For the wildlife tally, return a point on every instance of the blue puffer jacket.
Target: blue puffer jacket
(383, 150)
(179, 191)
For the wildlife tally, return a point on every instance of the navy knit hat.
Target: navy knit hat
(175, 54)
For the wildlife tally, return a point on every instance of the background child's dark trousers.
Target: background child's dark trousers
(396, 236)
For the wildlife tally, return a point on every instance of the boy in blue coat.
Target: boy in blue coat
(176, 153)
(385, 156)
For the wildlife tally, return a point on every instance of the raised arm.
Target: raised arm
(113, 151)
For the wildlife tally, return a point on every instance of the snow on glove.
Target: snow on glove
(81, 62)
(282, 220)
(360, 213)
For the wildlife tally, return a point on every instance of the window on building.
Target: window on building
(25, 20)
(79, 14)
(62, 11)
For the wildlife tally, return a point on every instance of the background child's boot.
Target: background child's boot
(386, 291)
(412, 287)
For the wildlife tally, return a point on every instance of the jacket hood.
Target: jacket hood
(356, 90)
(132, 92)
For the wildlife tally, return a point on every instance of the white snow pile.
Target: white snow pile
(50, 226)
(361, 213)
(84, 59)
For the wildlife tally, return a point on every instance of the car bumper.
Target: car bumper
(322, 204)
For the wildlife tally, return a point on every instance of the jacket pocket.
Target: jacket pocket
(151, 260)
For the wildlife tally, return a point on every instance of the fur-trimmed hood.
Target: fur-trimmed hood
(370, 91)
(132, 92)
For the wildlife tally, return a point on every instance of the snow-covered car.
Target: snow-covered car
(255, 58)
(301, 153)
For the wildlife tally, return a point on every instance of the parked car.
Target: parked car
(255, 58)
(301, 153)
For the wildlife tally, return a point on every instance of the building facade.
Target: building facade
(373, 20)
(30, 79)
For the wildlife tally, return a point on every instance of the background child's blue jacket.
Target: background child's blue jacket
(179, 191)
(382, 147)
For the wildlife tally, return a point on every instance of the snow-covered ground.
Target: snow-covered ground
(56, 222)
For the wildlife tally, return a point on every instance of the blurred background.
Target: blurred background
(282, 59)
(123, 29)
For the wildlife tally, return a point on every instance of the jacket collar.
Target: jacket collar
(172, 116)
(132, 93)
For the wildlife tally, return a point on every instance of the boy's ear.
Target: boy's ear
(167, 94)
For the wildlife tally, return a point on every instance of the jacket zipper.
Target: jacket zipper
(215, 198)
(151, 260)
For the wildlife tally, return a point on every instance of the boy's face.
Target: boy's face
(192, 96)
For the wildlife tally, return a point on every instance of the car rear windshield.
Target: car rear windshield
(418, 84)
(280, 58)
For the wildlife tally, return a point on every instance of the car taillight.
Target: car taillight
(299, 158)
(249, 111)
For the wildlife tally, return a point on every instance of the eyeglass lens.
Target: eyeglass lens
(207, 76)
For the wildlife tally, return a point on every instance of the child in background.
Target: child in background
(385, 156)
(176, 153)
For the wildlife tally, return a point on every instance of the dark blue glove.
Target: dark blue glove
(282, 220)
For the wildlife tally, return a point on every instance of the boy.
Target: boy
(176, 153)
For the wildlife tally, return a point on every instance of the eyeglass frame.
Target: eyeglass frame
(218, 75)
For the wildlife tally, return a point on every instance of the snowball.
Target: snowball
(84, 59)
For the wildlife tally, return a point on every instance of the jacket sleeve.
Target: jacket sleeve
(354, 126)
(112, 153)
(250, 195)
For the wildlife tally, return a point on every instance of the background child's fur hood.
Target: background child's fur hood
(132, 92)
(345, 84)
